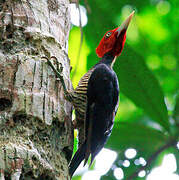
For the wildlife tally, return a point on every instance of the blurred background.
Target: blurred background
(145, 140)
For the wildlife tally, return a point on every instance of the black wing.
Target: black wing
(102, 102)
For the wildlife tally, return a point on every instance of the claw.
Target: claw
(61, 67)
(60, 70)
(56, 71)
(44, 57)
(54, 58)
(48, 61)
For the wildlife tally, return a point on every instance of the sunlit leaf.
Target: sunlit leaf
(78, 63)
(76, 178)
(150, 21)
(75, 144)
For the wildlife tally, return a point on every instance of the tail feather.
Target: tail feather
(77, 159)
(96, 148)
(93, 155)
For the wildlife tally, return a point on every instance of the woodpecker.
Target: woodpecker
(95, 99)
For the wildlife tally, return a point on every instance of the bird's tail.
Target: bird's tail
(77, 159)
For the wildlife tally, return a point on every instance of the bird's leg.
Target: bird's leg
(58, 72)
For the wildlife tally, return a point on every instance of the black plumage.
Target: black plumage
(102, 104)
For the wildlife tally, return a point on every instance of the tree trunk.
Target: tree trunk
(36, 136)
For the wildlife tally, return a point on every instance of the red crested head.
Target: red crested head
(114, 40)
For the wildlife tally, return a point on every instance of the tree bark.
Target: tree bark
(36, 136)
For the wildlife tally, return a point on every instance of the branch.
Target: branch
(171, 143)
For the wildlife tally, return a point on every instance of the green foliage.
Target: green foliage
(148, 73)
(77, 178)
(138, 83)
(176, 153)
(176, 110)
(140, 137)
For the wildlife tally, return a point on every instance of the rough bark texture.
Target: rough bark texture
(35, 119)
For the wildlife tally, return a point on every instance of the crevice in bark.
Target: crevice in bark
(4, 104)
(16, 69)
(68, 152)
(20, 118)
(43, 111)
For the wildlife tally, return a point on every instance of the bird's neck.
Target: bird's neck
(108, 59)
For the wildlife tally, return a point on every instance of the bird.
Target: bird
(101, 86)
(96, 97)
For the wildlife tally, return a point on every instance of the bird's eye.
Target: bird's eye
(108, 34)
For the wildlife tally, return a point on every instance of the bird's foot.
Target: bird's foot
(58, 71)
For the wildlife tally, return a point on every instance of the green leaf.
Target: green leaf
(140, 137)
(176, 153)
(108, 176)
(75, 145)
(139, 84)
(176, 110)
(76, 178)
